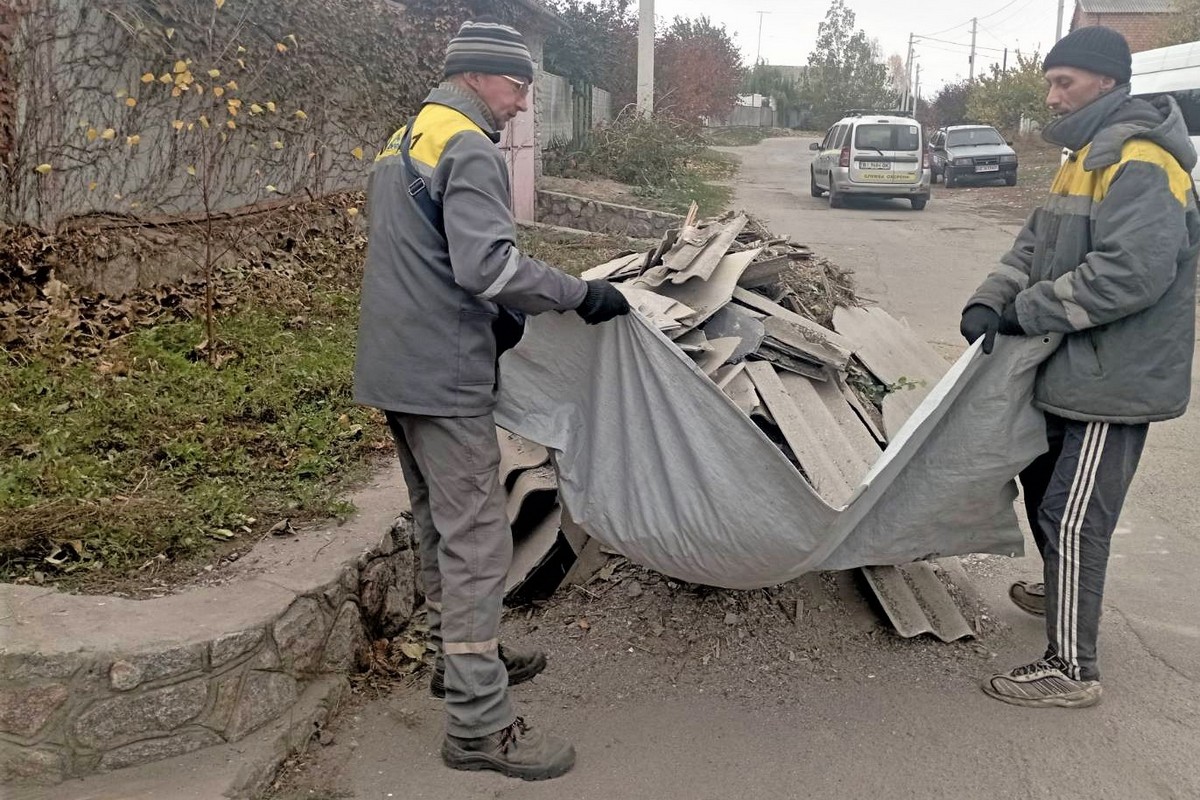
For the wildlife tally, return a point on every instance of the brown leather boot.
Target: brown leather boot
(518, 751)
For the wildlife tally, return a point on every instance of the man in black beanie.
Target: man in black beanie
(1110, 262)
(444, 292)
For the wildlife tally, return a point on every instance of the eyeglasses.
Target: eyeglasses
(522, 86)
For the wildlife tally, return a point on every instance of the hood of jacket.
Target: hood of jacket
(454, 96)
(1111, 120)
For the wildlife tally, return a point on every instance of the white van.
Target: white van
(1174, 71)
(871, 154)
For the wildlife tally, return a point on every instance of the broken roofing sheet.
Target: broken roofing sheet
(747, 451)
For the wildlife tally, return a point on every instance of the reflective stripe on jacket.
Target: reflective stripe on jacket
(1110, 260)
(425, 340)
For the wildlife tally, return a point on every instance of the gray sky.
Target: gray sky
(789, 31)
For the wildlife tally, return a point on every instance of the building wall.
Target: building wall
(1143, 31)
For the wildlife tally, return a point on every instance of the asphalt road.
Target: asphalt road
(888, 718)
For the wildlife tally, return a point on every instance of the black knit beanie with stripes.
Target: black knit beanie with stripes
(489, 46)
(1097, 49)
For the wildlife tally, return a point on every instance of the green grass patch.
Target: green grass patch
(146, 450)
(737, 137)
(701, 181)
(149, 450)
(572, 253)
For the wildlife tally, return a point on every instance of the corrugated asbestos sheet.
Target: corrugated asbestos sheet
(784, 370)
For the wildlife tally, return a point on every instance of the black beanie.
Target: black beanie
(490, 47)
(1097, 49)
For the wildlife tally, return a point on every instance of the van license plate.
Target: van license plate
(874, 165)
(988, 168)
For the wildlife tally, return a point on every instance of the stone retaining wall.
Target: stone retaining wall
(68, 714)
(570, 211)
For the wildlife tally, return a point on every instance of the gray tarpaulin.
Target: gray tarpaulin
(658, 464)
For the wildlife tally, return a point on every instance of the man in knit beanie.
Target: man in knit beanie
(444, 293)
(1109, 263)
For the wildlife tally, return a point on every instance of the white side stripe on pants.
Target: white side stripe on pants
(1068, 542)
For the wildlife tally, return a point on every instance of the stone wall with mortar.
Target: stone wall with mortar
(69, 714)
(570, 211)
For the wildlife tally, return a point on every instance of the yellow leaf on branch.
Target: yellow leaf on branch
(281, 47)
(148, 77)
(92, 186)
(231, 125)
(203, 121)
(214, 73)
(191, 170)
(351, 211)
(232, 86)
(218, 91)
(255, 108)
(43, 169)
(278, 145)
(220, 3)
(108, 135)
(271, 188)
(176, 92)
(301, 115)
(180, 67)
(92, 134)
(357, 153)
(133, 141)
(241, 63)
(271, 107)
(170, 33)
(165, 78)
(177, 124)
(130, 101)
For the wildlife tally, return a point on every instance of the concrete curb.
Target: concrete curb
(94, 684)
(571, 211)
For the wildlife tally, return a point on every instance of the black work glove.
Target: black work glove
(602, 302)
(508, 328)
(979, 320)
(1009, 324)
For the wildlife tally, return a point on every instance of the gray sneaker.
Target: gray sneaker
(1029, 597)
(518, 751)
(1043, 684)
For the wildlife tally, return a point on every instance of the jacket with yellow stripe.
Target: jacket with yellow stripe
(425, 339)
(1110, 261)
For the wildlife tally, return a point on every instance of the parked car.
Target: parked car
(871, 154)
(972, 152)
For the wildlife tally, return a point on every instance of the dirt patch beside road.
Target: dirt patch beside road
(1038, 162)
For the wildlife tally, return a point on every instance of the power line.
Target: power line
(959, 44)
(964, 23)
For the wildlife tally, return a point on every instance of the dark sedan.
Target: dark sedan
(972, 153)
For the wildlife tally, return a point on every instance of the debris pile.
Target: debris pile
(827, 380)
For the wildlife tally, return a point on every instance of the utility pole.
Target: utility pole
(1004, 67)
(645, 62)
(917, 92)
(907, 73)
(1058, 30)
(974, 30)
(758, 52)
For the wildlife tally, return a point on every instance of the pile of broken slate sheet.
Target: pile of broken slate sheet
(722, 291)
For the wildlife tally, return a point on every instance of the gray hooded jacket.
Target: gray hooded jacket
(1110, 260)
(425, 339)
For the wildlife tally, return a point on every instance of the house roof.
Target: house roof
(1127, 6)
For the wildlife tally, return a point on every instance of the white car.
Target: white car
(872, 154)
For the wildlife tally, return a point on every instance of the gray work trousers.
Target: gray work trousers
(451, 466)
(1073, 496)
